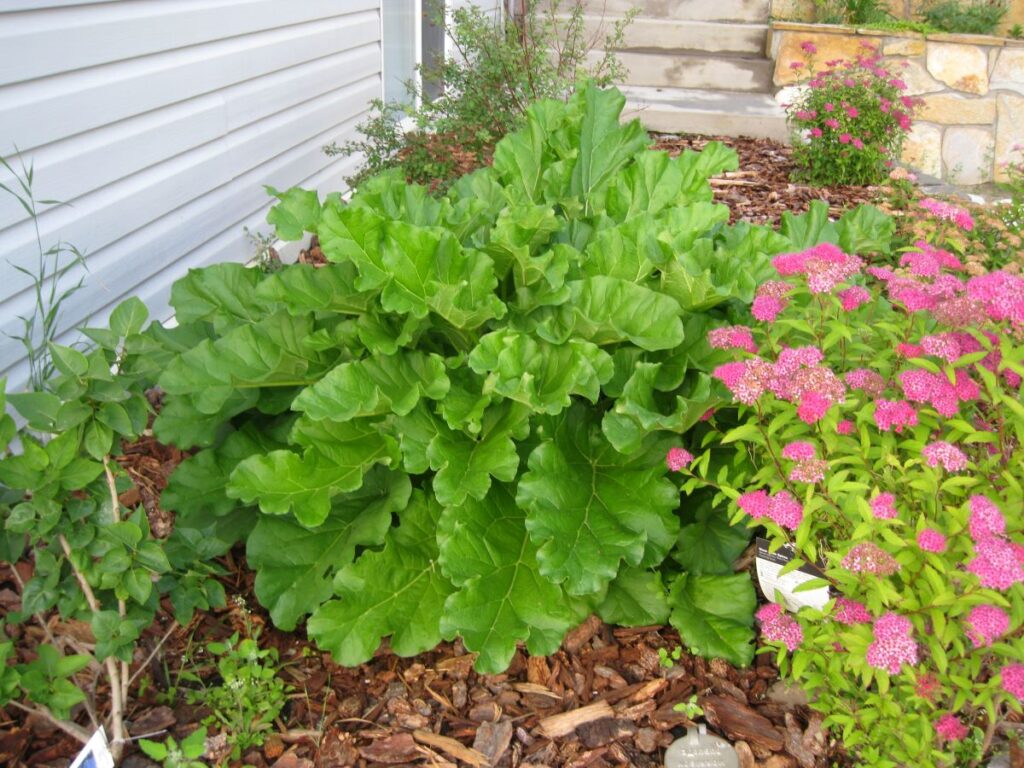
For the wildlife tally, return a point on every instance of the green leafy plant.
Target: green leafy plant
(851, 120)
(249, 695)
(91, 558)
(49, 288)
(498, 69)
(475, 398)
(973, 17)
(171, 754)
(853, 12)
(879, 434)
(690, 708)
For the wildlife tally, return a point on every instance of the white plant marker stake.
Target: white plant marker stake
(699, 749)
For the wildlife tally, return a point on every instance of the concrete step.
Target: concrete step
(672, 34)
(694, 10)
(681, 110)
(695, 69)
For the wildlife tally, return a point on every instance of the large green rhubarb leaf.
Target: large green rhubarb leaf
(635, 598)
(337, 456)
(502, 598)
(465, 465)
(715, 615)
(221, 294)
(590, 509)
(538, 373)
(354, 234)
(710, 545)
(297, 213)
(269, 353)
(605, 144)
(305, 288)
(642, 409)
(607, 310)
(429, 270)
(374, 386)
(295, 565)
(197, 487)
(398, 591)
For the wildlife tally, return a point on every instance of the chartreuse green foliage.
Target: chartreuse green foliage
(458, 425)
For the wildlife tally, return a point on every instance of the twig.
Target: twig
(122, 608)
(116, 700)
(72, 729)
(153, 653)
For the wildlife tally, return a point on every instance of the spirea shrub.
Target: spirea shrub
(882, 439)
(851, 119)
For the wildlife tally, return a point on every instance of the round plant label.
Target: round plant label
(701, 750)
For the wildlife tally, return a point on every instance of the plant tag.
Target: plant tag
(769, 566)
(95, 754)
(701, 750)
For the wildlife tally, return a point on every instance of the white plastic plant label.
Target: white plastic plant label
(699, 749)
(769, 567)
(95, 754)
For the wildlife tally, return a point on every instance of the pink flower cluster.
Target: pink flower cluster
(931, 540)
(929, 261)
(779, 627)
(853, 297)
(894, 415)
(949, 212)
(920, 386)
(850, 612)
(950, 728)
(868, 557)
(986, 624)
(883, 506)
(893, 646)
(998, 562)
(796, 377)
(1013, 679)
(986, 519)
(677, 458)
(733, 337)
(781, 508)
(770, 300)
(825, 266)
(948, 455)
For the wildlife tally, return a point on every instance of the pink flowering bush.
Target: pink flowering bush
(882, 439)
(852, 120)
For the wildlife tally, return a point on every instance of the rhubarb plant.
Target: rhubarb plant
(458, 425)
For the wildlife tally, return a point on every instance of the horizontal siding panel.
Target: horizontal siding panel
(150, 260)
(160, 121)
(114, 211)
(69, 169)
(40, 44)
(38, 112)
(7, 6)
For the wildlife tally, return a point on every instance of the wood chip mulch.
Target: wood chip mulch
(761, 190)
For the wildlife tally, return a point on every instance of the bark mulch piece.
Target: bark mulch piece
(761, 190)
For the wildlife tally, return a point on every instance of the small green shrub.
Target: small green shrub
(977, 17)
(499, 69)
(853, 12)
(249, 695)
(851, 120)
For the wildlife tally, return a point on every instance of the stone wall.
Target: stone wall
(804, 10)
(972, 87)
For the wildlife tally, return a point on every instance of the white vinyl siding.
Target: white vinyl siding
(159, 122)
